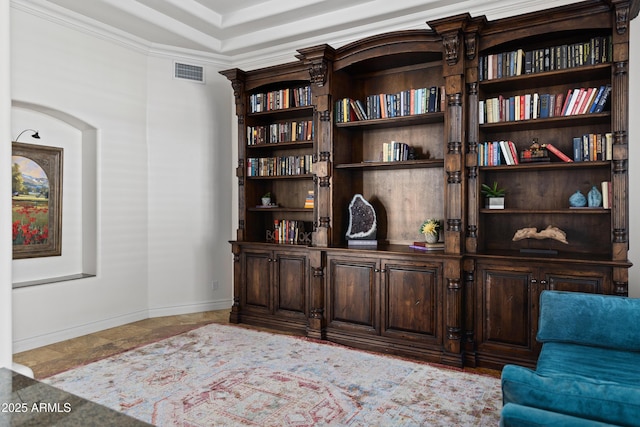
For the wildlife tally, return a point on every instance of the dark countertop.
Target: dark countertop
(27, 402)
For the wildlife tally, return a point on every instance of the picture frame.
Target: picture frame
(36, 200)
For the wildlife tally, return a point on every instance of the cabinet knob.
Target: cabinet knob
(534, 281)
(543, 282)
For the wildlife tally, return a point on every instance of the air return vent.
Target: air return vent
(188, 72)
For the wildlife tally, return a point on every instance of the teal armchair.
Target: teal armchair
(588, 371)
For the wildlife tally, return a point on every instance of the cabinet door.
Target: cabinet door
(256, 288)
(575, 281)
(411, 301)
(290, 284)
(507, 310)
(352, 294)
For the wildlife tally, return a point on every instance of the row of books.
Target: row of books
(280, 132)
(280, 99)
(534, 106)
(593, 147)
(287, 231)
(280, 166)
(496, 153)
(588, 147)
(597, 50)
(385, 105)
(395, 151)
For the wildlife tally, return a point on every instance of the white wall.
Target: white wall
(190, 184)
(164, 182)
(5, 189)
(103, 84)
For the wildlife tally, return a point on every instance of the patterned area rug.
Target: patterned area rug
(222, 375)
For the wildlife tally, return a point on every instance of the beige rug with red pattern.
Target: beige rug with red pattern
(222, 375)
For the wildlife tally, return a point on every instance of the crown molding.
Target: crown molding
(66, 18)
(256, 50)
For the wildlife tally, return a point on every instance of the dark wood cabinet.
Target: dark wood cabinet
(385, 302)
(353, 294)
(507, 304)
(446, 95)
(272, 287)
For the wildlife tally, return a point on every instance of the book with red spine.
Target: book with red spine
(558, 153)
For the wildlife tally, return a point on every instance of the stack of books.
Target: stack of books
(424, 246)
(309, 201)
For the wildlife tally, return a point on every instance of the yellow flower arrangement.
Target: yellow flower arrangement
(430, 226)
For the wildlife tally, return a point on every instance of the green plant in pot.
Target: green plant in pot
(494, 196)
(431, 230)
(266, 199)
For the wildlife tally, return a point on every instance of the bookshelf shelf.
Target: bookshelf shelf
(549, 122)
(549, 78)
(281, 145)
(284, 113)
(279, 209)
(280, 177)
(393, 122)
(407, 164)
(523, 167)
(565, 211)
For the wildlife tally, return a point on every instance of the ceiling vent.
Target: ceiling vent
(190, 72)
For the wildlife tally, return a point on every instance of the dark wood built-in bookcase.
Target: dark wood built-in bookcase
(409, 119)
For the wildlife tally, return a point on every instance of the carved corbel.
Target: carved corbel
(470, 45)
(451, 44)
(318, 73)
(622, 18)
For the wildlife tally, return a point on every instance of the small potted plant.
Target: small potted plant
(266, 199)
(431, 230)
(494, 196)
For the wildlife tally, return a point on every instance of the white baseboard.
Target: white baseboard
(77, 331)
(176, 310)
(90, 328)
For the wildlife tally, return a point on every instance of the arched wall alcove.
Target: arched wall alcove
(79, 194)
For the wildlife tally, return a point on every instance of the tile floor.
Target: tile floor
(54, 358)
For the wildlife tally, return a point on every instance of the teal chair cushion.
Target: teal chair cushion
(575, 395)
(589, 319)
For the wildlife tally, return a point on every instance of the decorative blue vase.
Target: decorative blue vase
(577, 200)
(595, 197)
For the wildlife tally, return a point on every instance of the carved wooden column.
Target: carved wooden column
(238, 79)
(619, 128)
(471, 46)
(451, 31)
(317, 322)
(234, 316)
(320, 62)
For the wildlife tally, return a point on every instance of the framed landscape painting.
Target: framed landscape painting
(37, 200)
